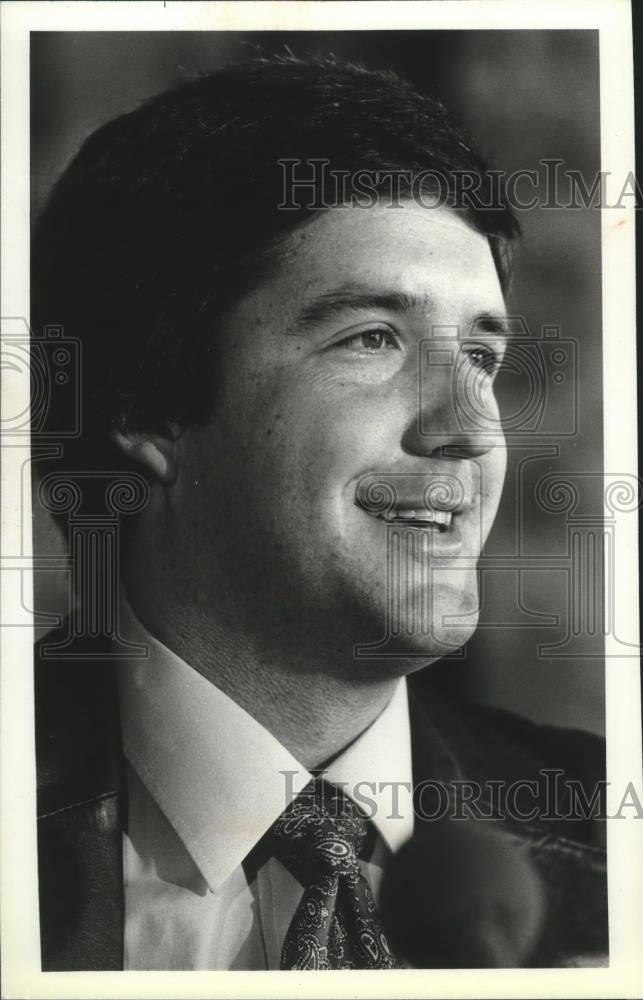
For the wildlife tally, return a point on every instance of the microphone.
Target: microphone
(461, 894)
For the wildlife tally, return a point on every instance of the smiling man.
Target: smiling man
(266, 370)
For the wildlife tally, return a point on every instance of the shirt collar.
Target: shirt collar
(219, 775)
(377, 769)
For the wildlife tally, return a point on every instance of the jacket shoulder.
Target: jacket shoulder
(80, 811)
(78, 743)
(540, 782)
(559, 771)
(494, 731)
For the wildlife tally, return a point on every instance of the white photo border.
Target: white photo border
(18, 873)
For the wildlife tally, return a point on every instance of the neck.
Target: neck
(315, 701)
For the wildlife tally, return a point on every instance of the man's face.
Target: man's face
(325, 390)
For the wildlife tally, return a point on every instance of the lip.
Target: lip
(391, 493)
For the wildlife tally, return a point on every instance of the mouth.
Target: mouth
(423, 500)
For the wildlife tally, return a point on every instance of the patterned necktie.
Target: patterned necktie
(336, 925)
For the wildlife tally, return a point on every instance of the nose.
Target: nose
(453, 420)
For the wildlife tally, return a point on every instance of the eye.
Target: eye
(370, 342)
(484, 357)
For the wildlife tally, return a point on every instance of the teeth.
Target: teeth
(441, 517)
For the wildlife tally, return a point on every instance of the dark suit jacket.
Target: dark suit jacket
(82, 802)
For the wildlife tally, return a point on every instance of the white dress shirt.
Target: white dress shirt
(205, 783)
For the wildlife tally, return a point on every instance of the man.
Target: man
(252, 343)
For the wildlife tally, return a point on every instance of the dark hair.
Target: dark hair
(169, 213)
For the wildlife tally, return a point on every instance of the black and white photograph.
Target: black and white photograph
(320, 500)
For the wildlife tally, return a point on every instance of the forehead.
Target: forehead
(420, 252)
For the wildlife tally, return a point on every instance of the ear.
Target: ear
(157, 452)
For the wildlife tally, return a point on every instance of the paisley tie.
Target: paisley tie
(336, 925)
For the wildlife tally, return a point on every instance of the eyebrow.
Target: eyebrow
(486, 322)
(353, 297)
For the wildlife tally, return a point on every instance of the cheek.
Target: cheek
(327, 429)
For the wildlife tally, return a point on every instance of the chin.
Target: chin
(421, 632)
(455, 618)
(439, 642)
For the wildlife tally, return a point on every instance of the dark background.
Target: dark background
(525, 96)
